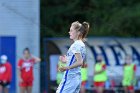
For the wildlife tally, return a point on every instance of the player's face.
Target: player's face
(73, 33)
(99, 58)
(128, 60)
(26, 54)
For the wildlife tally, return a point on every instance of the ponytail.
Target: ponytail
(86, 29)
(83, 28)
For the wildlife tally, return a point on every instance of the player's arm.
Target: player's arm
(7, 76)
(78, 63)
(103, 69)
(19, 74)
(36, 59)
(19, 70)
(63, 58)
(97, 72)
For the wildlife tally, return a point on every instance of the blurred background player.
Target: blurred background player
(59, 73)
(5, 74)
(100, 75)
(129, 75)
(84, 78)
(25, 73)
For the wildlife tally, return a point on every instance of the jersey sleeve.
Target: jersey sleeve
(20, 63)
(77, 48)
(8, 74)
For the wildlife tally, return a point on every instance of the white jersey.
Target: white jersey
(71, 81)
(77, 47)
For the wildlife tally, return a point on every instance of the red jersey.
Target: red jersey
(26, 68)
(6, 72)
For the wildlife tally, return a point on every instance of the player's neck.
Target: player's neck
(27, 58)
(77, 40)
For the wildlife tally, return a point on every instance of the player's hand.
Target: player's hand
(63, 58)
(37, 59)
(62, 69)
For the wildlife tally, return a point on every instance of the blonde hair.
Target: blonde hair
(83, 28)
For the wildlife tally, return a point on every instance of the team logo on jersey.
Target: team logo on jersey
(27, 66)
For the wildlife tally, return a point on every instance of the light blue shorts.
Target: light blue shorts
(70, 84)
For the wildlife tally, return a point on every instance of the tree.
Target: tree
(106, 17)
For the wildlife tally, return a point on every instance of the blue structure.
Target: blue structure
(8, 47)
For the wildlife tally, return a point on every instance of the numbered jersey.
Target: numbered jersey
(26, 68)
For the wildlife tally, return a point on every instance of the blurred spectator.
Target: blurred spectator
(100, 76)
(25, 71)
(84, 78)
(5, 74)
(59, 73)
(129, 75)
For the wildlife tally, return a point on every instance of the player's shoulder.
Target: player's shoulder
(133, 64)
(79, 43)
(8, 63)
(21, 60)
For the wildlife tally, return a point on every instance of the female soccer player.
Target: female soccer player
(129, 75)
(100, 75)
(5, 74)
(75, 56)
(25, 66)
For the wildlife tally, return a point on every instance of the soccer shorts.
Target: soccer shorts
(99, 84)
(70, 84)
(6, 85)
(130, 88)
(26, 84)
(83, 83)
